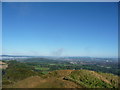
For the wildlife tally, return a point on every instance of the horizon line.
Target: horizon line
(61, 56)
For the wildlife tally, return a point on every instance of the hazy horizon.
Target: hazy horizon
(57, 56)
(60, 29)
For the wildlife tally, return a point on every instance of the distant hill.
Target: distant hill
(69, 79)
(15, 56)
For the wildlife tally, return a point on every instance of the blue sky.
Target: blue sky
(60, 29)
(1, 28)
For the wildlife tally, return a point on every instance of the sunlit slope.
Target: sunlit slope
(38, 82)
(69, 79)
(92, 79)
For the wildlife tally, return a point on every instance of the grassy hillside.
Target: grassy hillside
(68, 79)
(91, 79)
(38, 82)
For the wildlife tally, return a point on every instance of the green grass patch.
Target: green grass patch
(41, 68)
(87, 79)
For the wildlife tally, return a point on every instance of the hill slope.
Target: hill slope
(69, 79)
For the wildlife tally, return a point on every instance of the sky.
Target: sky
(60, 29)
(0, 29)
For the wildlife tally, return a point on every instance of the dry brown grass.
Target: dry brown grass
(54, 79)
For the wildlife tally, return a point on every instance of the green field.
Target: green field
(41, 68)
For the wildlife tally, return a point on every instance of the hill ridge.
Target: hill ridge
(67, 79)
